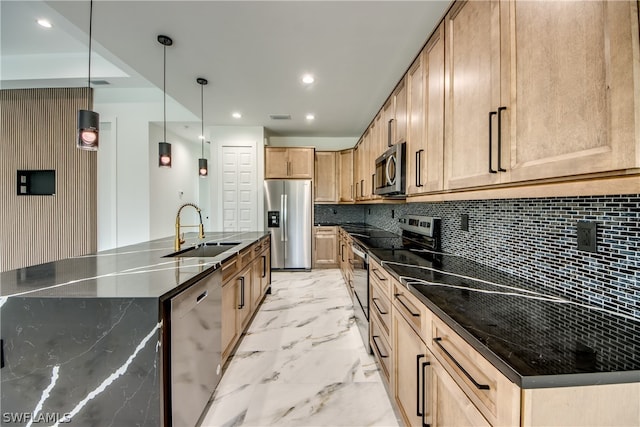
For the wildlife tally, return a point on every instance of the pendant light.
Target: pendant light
(203, 169)
(88, 121)
(164, 148)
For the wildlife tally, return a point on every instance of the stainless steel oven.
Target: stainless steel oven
(389, 179)
(361, 292)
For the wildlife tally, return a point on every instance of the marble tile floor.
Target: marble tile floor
(302, 362)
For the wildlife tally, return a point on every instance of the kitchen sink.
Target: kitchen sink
(206, 250)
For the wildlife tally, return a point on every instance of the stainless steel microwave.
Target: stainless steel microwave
(389, 179)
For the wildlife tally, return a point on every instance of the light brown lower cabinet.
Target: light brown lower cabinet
(325, 253)
(246, 278)
(229, 330)
(449, 405)
(410, 364)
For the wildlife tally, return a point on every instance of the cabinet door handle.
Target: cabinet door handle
(241, 306)
(377, 306)
(419, 168)
(375, 343)
(342, 252)
(373, 183)
(500, 110)
(389, 138)
(375, 272)
(479, 386)
(264, 266)
(351, 191)
(418, 384)
(202, 296)
(362, 187)
(405, 305)
(424, 394)
(491, 170)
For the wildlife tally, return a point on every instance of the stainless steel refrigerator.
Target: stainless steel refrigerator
(288, 206)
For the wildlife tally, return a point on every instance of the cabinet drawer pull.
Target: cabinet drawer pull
(467, 374)
(405, 305)
(375, 343)
(378, 307)
(202, 296)
(375, 271)
(491, 170)
(500, 110)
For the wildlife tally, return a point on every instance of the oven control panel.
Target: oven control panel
(424, 225)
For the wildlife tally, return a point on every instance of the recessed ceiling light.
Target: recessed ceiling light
(44, 23)
(308, 79)
(310, 117)
(236, 115)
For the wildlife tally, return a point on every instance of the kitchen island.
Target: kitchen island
(82, 338)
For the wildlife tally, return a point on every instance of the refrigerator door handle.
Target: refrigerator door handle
(283, 217)
(285, 221)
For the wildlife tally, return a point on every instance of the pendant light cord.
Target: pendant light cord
(90, 28)
(164, 91)
(202, 118)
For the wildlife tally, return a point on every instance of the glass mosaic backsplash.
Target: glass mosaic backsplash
(537, 239)
(338, 214)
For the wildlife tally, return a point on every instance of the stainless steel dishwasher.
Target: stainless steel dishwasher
(196, 324)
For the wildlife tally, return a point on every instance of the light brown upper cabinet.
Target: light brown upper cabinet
(472, 92)
(425, 139)
(362, 169)
(326, 177)
(572, 106)
(400, 113)
(288, 162)
(563, 104)
(346, 175)
(394, 114)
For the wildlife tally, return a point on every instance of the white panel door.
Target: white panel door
(239, 194)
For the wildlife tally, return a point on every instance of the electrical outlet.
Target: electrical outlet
(586, 236)
(464, 222)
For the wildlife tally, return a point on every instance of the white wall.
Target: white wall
(125, 211)
(320, 143)
(234, 136)
(169, 188)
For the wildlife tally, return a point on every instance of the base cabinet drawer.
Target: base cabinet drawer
(381, 348)
(380, 306)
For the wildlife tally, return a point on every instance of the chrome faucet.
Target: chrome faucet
(178, 240)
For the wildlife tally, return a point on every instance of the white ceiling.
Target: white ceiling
(252, 52)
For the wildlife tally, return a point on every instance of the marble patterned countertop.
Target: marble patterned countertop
(535, 338)
(136, 271)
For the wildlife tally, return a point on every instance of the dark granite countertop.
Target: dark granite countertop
(534, 337)
(135, 271)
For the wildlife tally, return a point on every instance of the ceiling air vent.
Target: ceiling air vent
(280, 116)
(99, 82)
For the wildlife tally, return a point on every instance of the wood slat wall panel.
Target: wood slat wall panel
(38, 131)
